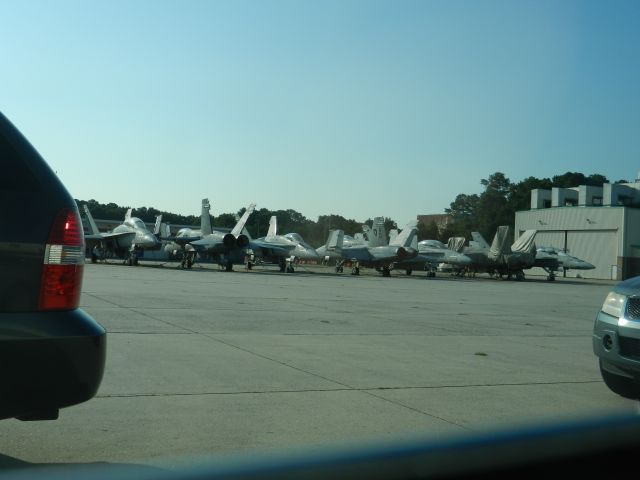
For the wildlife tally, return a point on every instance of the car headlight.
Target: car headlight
(614, 304)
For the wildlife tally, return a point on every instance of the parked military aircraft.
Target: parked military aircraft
(382, 258)
(128, 240)
(553, 260)
(431, 253)
(285, 250)
(225, 248)
(180, 242)
(500, 258)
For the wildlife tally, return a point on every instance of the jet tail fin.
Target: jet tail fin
(500, 245)
(334, 241)
(456, 244)
(237, 230)
(377, 234)
(157, 226)
(205, 218)
(127, 216)
(165, 230)
(525, 242)
(92, 223)
(406, 236)
(393, 234)
(273, 227)
(479, 239)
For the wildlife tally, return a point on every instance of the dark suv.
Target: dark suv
(52, 353)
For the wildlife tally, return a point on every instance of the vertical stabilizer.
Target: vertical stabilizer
(205, 218)
(406, 236)
(273, 227)
(525, 243)
(456, 244)
(479, 239)
(501, 244)
(127, 216)
(334, 241)
(377, 234)
(92, 223)
(393, 233)
(237, 230)
(156, 227)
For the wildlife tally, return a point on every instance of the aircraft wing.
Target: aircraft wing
(261, 247)
(121, 239)
(208, 244)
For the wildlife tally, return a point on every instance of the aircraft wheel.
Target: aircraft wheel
(355, 271)
(229, 267)
(551, 278)
(623, 386)
(94, 258)
(135, 260)
(249, 265)
(519, 276)
(386, 272)
(409, 272)
(290, 269)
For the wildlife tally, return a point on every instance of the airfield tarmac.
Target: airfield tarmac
(202, 362)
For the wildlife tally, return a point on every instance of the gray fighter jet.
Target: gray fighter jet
(501, 259)
(382, 257)
(285, 250)
(179, 244)
(225, 248)
(128, 240)
(553, 260)
(431, 253)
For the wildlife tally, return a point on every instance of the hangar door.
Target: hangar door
(599, 247)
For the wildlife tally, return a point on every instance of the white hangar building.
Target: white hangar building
(598, 224)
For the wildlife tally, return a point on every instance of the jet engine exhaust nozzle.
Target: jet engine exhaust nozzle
(242, 241)
(229, 241)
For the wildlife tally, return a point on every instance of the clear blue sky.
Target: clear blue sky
(360, 108)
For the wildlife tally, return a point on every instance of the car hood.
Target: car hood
(628, 287)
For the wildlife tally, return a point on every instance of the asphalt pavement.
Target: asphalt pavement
(205, 363)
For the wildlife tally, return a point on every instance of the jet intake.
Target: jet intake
(242, 241)
(229, 241)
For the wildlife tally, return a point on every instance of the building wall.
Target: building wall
(594, 234)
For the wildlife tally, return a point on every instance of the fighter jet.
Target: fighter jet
(501, 259)
(180, 243)
(431, 253)
(382, 257)
(285, 250)
(128, 240)
(225, 248)
(554, 259)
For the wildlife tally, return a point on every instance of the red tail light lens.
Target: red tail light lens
(63, 263)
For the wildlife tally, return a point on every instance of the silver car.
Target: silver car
(616, 339)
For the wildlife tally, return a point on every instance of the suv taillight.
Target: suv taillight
(63, 263)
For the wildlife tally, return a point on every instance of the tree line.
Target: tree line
(314, 232)
(483, 212)
(500, 200)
